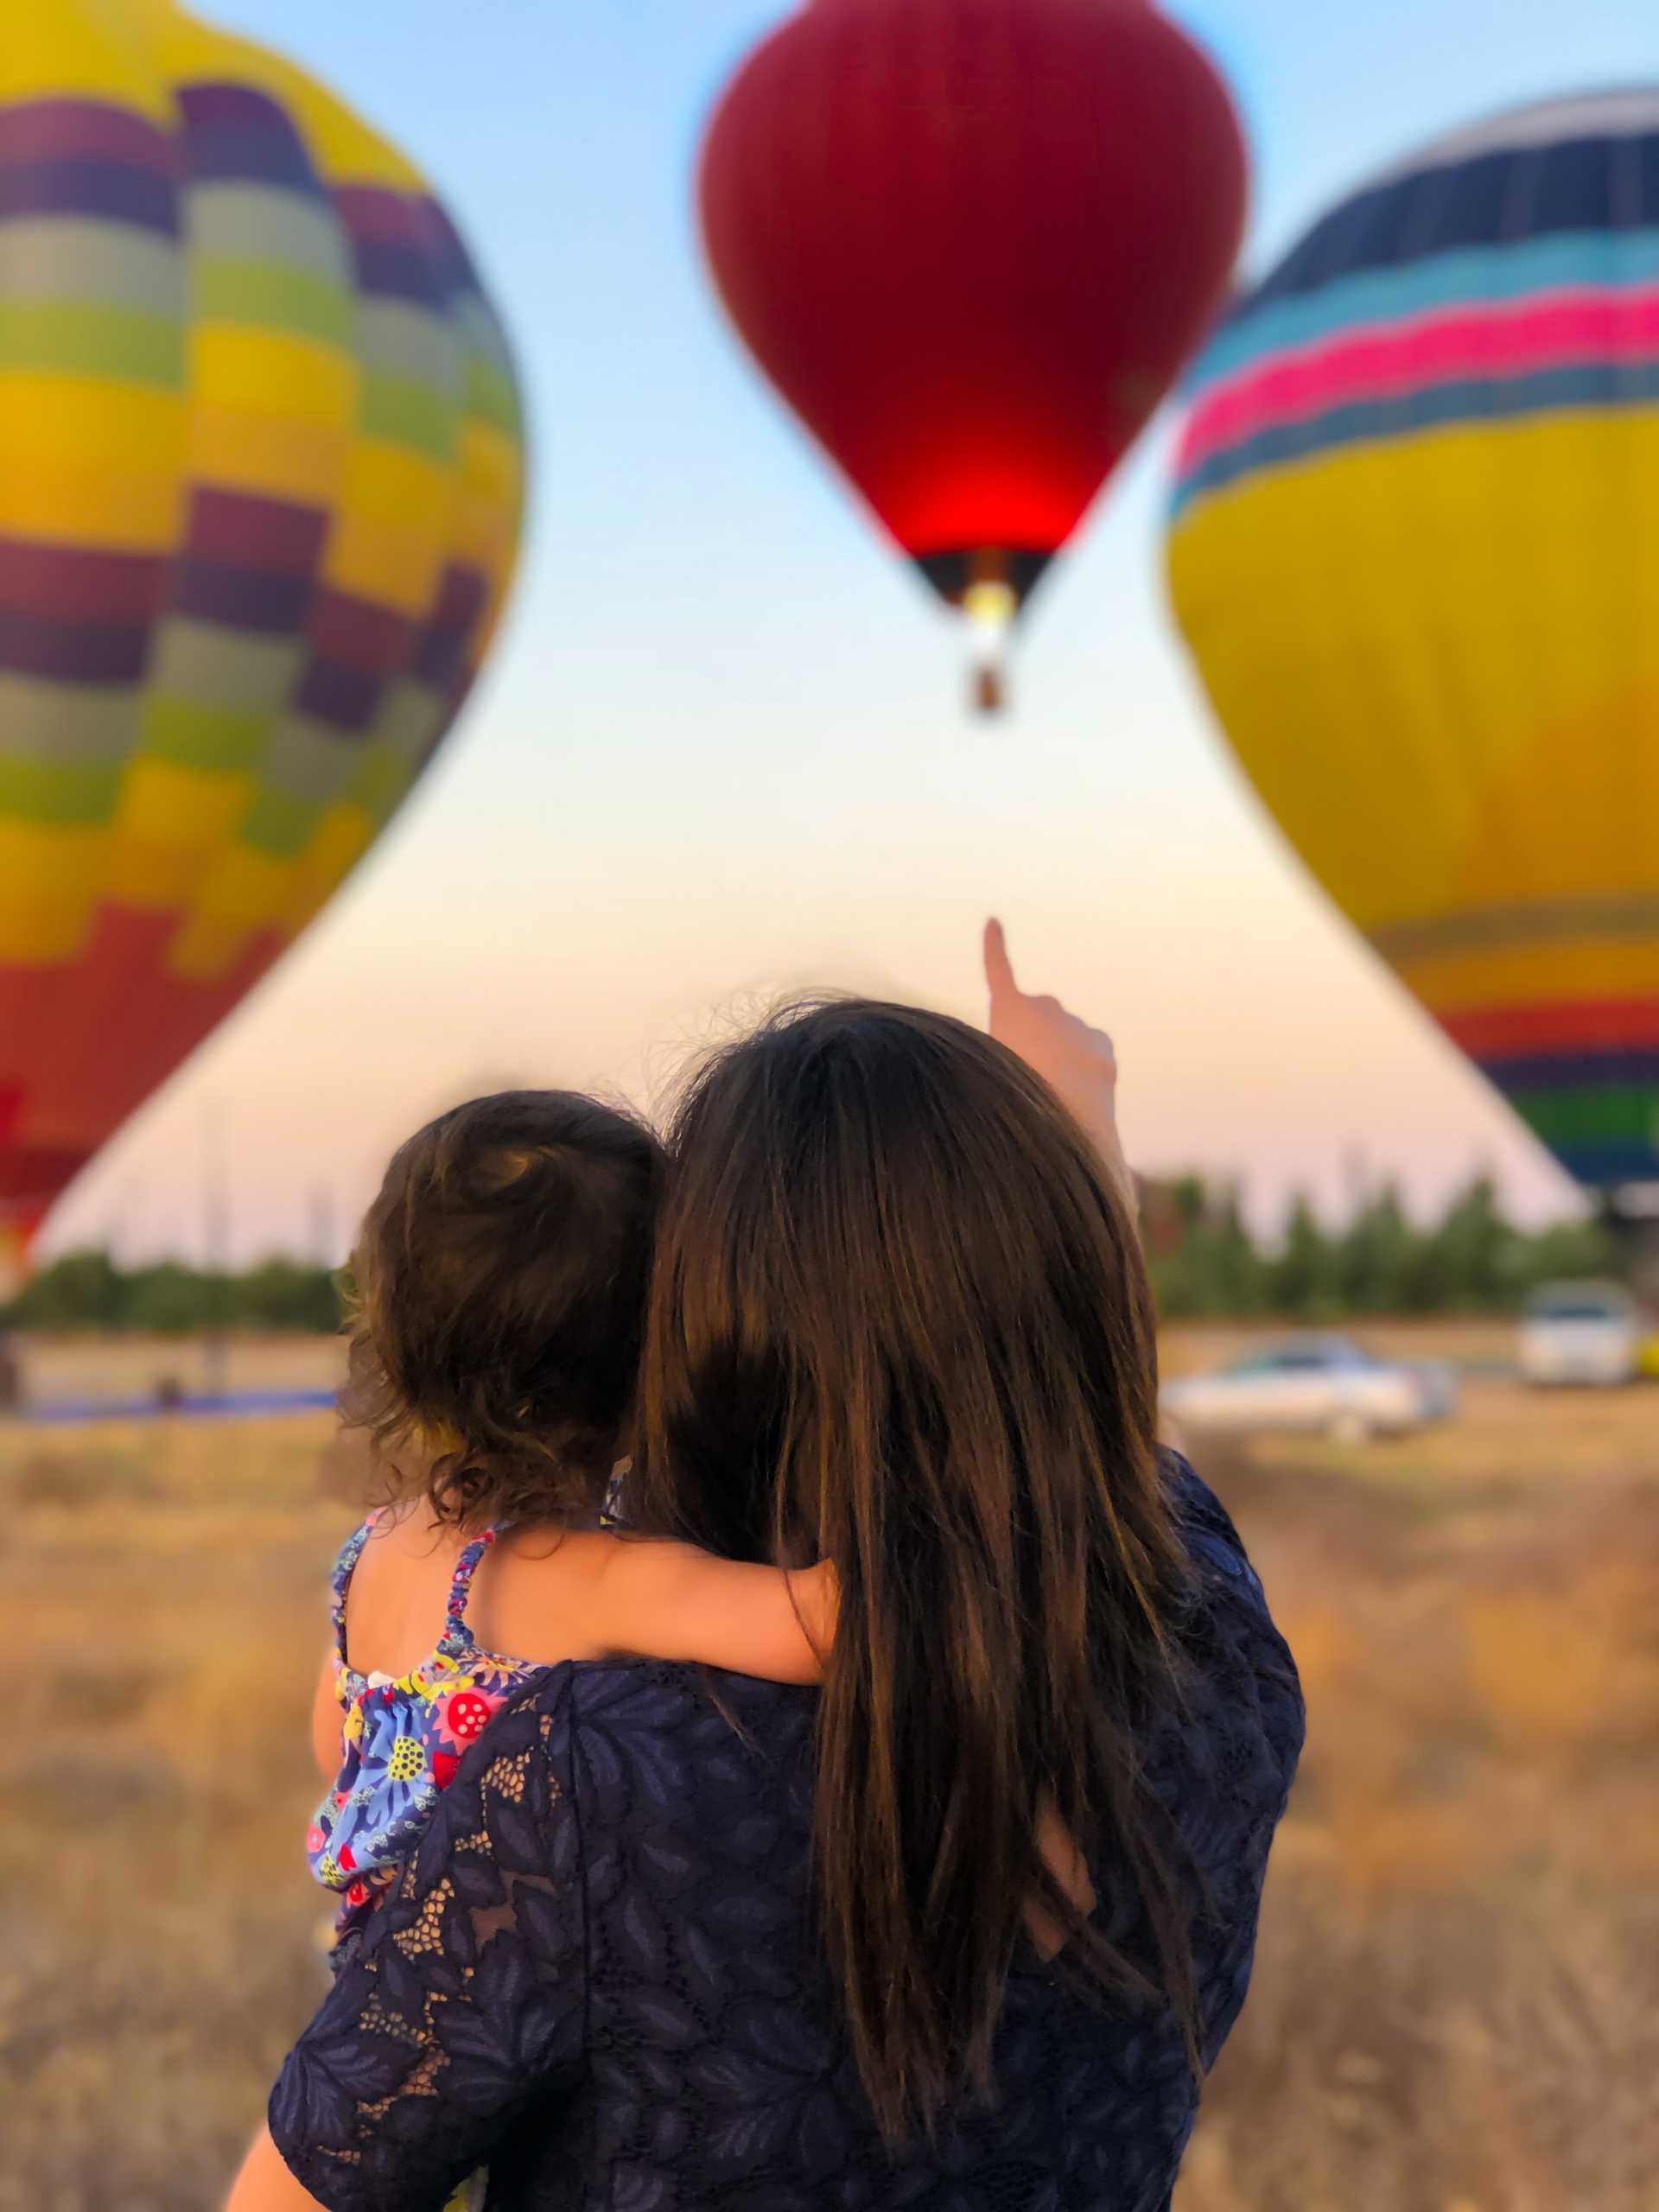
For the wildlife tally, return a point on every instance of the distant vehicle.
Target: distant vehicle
(1588, 1333)
(1321, 1382)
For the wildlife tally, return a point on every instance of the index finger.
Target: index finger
(999, 968)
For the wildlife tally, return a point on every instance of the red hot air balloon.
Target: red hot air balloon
(972, 243)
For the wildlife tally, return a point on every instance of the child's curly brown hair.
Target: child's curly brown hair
(498, 1293)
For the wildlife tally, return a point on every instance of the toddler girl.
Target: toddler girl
(500, 1282)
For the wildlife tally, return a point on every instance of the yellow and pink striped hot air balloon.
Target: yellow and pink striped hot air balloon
(1414, 549)
(261, 476)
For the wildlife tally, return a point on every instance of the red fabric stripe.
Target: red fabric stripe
(55, 130)
(72, 584)
(34, 1175)
(30, 997)
(1586, 1025)
(370, 211)
(126, 1025)
(85, 1080)
(21, 1221)
(256, 533)
(1512, 339)
(360, 635)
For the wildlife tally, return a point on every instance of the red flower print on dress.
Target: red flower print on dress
(466, 1716)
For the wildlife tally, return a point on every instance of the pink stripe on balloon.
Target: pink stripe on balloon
(1562, 330)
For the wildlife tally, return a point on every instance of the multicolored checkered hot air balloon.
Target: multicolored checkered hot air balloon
(1415, 551)
(261, 472)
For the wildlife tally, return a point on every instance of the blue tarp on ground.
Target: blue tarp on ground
(72, 1413)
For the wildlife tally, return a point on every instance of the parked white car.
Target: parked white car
(1319, 1381)
(1589, 1333)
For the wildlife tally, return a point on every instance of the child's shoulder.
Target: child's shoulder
(400, 1547)
(394, 1585)
(534, 1596)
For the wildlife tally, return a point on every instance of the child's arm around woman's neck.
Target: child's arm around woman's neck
(548, 1594)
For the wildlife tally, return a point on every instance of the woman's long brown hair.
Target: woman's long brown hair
(900, 1320)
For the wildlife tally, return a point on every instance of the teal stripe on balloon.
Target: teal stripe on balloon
(1477, 276)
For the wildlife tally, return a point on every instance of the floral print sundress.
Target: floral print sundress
(402, 1738)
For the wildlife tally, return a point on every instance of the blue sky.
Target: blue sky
(722, 750)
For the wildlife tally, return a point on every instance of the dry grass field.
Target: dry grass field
(127, 1369)
(1457, 2005)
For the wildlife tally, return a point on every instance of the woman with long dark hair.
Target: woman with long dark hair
(966, 1926)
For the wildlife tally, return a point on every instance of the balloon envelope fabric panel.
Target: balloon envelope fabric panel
(1414, 550)
(261, 473)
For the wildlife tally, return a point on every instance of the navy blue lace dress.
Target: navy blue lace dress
(599, 1978)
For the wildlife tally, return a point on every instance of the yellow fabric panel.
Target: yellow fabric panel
(391, 485)
(48, 883)
(151, 873)
(385, 564)
(242, 893)
(272, 374)
(387, 543)
(247, 893)
(276, 456)
(1447, 696)
(79, 49)
(1587, 968)
(91, 460)
(245, 887)
(108, 510)
(491, 494)
(93, 419)
(168, 822)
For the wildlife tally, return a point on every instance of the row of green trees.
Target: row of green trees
(87, 1290)
(1205, 1264)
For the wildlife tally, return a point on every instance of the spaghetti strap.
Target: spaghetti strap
(460, 1586)
(345, 1567)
